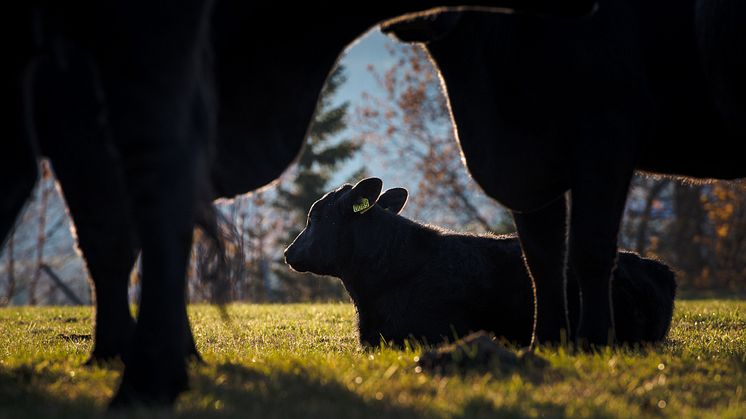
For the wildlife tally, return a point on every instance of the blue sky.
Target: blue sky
(369, 49)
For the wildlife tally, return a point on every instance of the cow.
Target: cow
(134, 148)
(144, 82)
(554, 116)
(409, 280)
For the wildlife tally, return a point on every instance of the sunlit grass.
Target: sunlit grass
(304, 361)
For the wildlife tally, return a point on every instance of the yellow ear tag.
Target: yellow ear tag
(362, 206)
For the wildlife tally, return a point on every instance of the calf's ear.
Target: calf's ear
(363, 195)
(394, 199)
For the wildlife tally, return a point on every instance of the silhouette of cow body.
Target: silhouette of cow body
(121, 99)
(545, 106)
(409, 280)
(142, 108)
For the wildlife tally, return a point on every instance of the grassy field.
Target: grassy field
(289, 361)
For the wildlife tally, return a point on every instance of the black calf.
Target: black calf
(411, 280)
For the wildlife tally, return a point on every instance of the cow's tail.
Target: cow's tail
(219, 257)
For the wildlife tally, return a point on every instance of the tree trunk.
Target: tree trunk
(687, 233)
(641, 240)
(44, 190)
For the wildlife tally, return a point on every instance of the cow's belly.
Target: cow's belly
(697, 162)
(695, 145)
(520, 170)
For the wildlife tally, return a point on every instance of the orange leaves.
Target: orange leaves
(720, 206)
(722, 231)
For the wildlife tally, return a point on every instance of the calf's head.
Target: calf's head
(325, 243)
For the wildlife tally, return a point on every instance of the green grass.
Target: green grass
(304, 361)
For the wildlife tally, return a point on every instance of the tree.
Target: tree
(41, 245)
(271, 219)
(45, 189)
(698, 228)
(649, 212)
(724, 204)
(413, 124)
(322, 155)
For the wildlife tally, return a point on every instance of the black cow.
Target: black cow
(142, 76)
(412, 280)
(548, 106)
(118, 95)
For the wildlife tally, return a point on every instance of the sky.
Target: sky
(370, 48)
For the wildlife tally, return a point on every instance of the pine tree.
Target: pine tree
(322, 156)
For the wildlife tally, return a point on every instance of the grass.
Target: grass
(284, 361)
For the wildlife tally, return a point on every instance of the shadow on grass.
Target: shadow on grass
(24, 394)
(245, 392)
(235, 390)
(480, 407)
(242, 391)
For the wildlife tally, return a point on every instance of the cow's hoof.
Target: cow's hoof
(105, 354)
(150, 384)
(108, 356)
(128, 396)
(113, 340)
(590, 342)
(595, 331)
(528, 358)
(194, 356)
(101, 359)
(105, 358)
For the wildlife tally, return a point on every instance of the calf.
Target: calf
(412, 280)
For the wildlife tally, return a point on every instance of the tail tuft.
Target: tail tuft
(219, 258)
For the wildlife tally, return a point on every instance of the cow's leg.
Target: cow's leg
(155, 371)
(104, 237)
(596, 212)
(73, 136)
(151, 85)
(543, 235)
(106, 243)
(163, 205)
